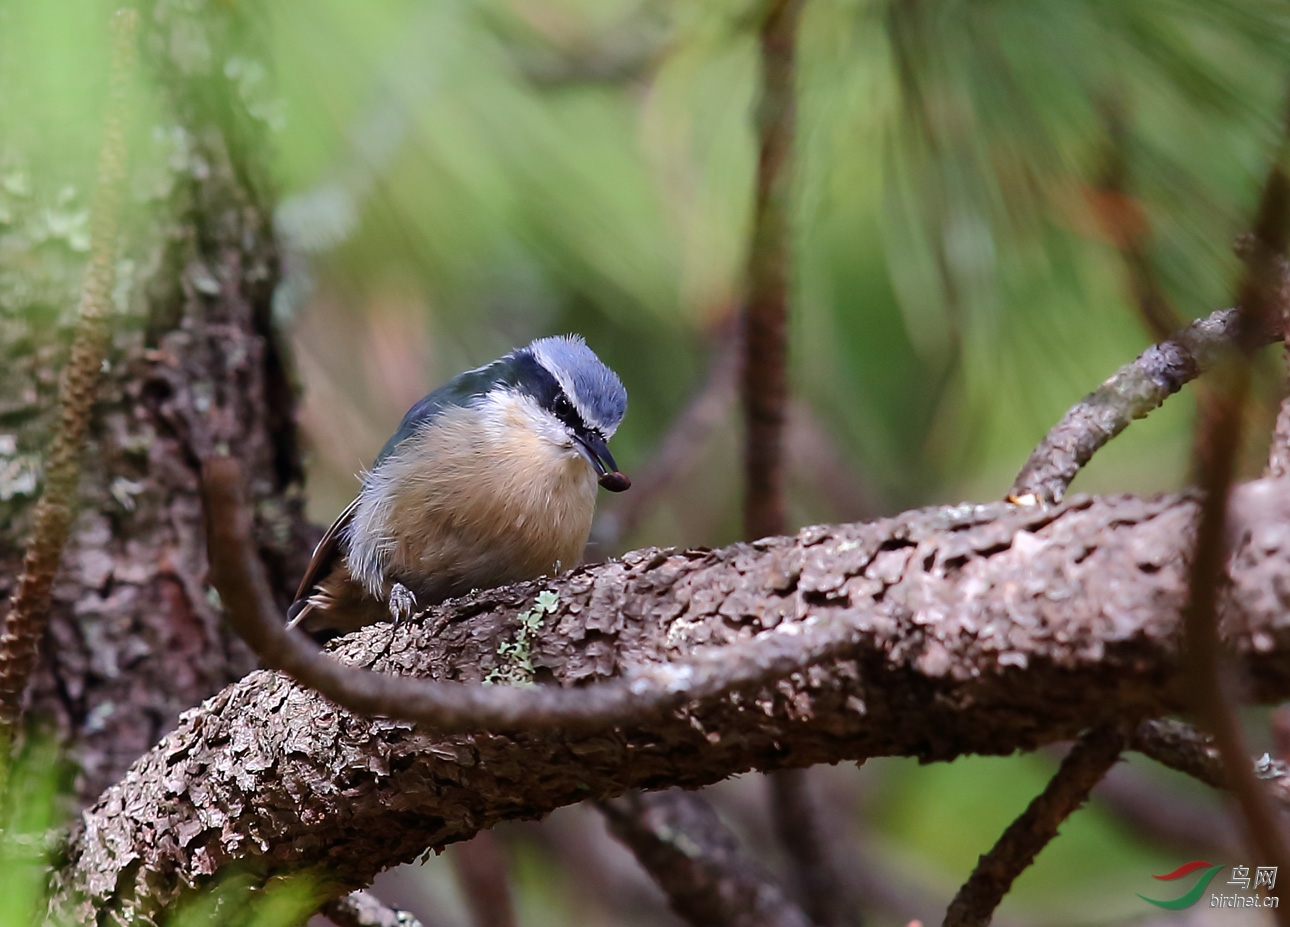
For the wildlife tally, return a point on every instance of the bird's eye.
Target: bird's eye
(563, 408)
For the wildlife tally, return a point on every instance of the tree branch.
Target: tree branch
(765, 366)
(1085, 765)
(1132, 392)
(480, 866)
(696, 860)
(970, 629)
(1219, 433)
(1185, 749)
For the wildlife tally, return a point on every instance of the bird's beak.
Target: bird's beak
(597, 451)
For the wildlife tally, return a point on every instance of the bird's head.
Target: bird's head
(569, 383)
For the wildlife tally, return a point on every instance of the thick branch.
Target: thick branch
(973, 629)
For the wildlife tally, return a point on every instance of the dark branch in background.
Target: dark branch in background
(765, 358)
(363, 909)
(1185, 749)
(480, 865)
(765, 380)
(1279, 452)
(238, 576)
(1166, 815)
(709, 881)
(800, 827)
(1218, 441)
(1132, 392)
(28, 613)
(1124, 222)
(1086, 764)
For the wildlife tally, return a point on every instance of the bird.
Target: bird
(489, 480)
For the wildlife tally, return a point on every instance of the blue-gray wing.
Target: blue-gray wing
(460, 391)
(457, 392)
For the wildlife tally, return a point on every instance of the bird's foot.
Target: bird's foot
(402, 603)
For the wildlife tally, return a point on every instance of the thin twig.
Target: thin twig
(363, 909)
(697, 861)
(24, 625)
(765, 366)
(1219, 435)
(238, 576)
(480, 865)
(1085, 765)
(1132, 392)
(1183, 748)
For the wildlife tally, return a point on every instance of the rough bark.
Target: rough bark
(978, 629)
(195, 365)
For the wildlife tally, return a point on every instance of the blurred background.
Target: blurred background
(995, 205)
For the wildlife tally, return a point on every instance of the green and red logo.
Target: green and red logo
(1193, 895)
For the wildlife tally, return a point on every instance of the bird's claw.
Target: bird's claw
(402, 603)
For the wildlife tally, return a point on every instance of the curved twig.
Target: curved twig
(238, 576)
(1132, 392)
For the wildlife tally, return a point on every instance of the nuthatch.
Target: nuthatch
(491, 479)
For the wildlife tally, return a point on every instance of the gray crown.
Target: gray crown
(594, 390)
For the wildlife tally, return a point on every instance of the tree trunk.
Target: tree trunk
(195, 365)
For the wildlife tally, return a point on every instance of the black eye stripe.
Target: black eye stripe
(544, 387)
(563, 409)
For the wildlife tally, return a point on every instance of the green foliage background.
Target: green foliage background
(459, 177)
